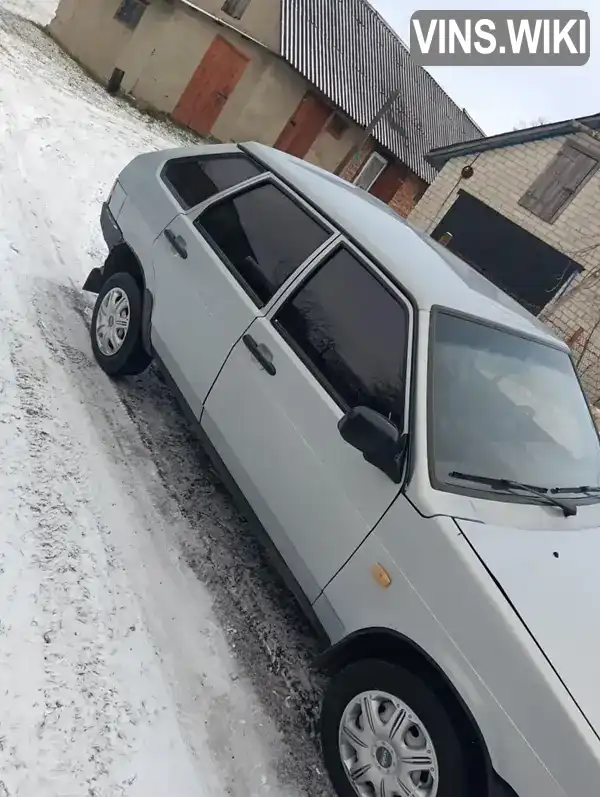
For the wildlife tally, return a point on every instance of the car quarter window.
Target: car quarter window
(262, 236)
(193, 180)
(353, 333)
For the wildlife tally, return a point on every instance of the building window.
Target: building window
(337, 126)
(565, 176)
(371, 170)
(235, 8)
(130, 12)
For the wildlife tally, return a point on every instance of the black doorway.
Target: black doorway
(516, 261)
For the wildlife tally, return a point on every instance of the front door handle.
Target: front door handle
(177, 242)
(260, 353)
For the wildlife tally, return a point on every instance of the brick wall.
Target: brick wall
(500, 178)
(407, 195)
(357, 162)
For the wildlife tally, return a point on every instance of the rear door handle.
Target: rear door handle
(177, 242)
(260, 353)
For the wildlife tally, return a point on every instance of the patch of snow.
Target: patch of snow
(145, 646)
(40, 11)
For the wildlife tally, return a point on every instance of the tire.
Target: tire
(384, 752)
(117, 346)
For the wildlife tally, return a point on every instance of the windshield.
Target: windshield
(507, 407)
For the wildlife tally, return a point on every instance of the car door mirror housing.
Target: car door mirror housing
(377, 438)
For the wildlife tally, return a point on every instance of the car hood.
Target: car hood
(552, 578)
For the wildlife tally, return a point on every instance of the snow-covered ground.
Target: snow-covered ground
(40, 11)
(145, 646)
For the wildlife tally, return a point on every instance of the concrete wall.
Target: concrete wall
(500, 178)
(161, 55)
(261, 19)
(156, 26)
(159, 66)
(87, 28)
(88, 31)
(327, 151)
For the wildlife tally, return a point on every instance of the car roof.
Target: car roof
(429, 272)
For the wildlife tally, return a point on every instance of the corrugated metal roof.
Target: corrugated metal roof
(347, 50)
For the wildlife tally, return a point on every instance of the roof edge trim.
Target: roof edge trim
(440, 156)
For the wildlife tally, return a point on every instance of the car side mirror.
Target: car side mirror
(377, 438)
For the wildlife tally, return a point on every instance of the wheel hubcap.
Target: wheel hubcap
(112, 322)
(384, 756)
(385, 748)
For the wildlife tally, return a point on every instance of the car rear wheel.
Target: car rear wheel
(386, 734)
(116, 327)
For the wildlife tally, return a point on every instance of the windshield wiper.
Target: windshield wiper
(582, 489)
(569, 509)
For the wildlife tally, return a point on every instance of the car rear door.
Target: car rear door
(207, 289)
(338, 337)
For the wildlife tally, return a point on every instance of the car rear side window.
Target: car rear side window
(263, 236)
(352, 332)
(193, 180)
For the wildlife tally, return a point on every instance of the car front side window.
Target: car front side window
(352, 331)
(263, 236)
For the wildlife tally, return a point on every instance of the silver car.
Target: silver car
(414, 448)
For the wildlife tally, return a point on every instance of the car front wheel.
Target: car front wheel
(386, 734)
(116, 327)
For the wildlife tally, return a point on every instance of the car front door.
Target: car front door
(208, 289)
(337, 338)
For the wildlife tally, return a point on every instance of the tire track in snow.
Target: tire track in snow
(81, 704)
(264, 627)
(75, 704)
(38, 335)
(97, 706)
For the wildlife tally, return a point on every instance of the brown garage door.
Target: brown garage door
(304, 126)
(213, 81)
